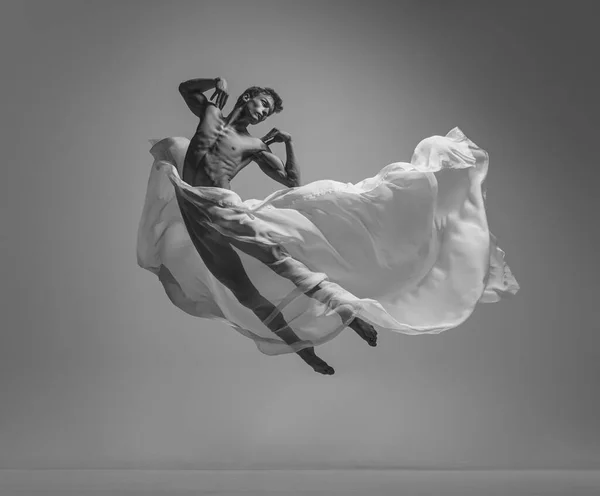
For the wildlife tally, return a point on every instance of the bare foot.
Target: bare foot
(318, 365)
(364, 330)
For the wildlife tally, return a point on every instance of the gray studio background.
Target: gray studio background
(99, 370)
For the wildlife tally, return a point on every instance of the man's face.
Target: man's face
(259, 107)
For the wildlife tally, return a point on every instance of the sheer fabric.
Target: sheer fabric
(408, 250)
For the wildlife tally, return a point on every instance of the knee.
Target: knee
(254, 301)
(249, 297)
(269, 255)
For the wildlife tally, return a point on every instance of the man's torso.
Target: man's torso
(217, 152)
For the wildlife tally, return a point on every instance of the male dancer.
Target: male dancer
(220, 148)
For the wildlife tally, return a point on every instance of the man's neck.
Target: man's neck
(237, 121)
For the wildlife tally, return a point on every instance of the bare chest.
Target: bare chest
(221, 140)
(217, 152)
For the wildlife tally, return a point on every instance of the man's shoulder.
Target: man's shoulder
(211, 116)
(257, 143)
(211, 108)
(260, 149)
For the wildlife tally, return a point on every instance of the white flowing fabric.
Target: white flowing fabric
(408, 250)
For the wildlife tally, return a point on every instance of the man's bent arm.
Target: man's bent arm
(192, 92)
(272, 166)
(291, 167)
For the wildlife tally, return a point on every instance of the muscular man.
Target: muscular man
(220, 148)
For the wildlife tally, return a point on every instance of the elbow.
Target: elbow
(294, 179)
(183, 88)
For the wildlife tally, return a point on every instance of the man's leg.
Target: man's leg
(225, 264)
(278, 261)
(365, 330)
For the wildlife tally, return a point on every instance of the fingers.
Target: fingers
(220, 98)
(273, 136)
(268, 138)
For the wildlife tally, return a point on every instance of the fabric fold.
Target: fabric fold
(408, 250)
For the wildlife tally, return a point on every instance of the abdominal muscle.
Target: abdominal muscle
(206, 169)
(216, 154)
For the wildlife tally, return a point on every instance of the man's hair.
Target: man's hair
(257, 90)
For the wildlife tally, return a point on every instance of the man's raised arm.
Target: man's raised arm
(193, 90)
(271, 164)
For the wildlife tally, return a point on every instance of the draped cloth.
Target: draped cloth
(408, 250)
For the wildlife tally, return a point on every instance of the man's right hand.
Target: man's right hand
(221, 94)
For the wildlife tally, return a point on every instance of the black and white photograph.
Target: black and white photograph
(293, 248)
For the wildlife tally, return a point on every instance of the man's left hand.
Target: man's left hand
(277, 136)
